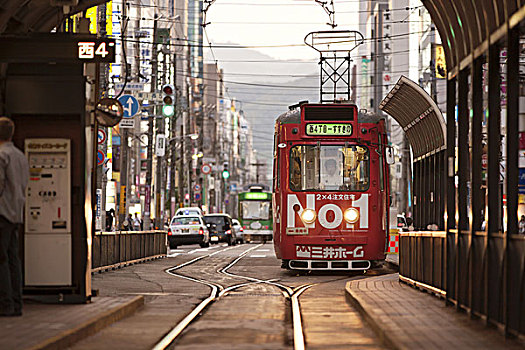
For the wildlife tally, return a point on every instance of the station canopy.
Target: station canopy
(467, 27)
(418, 115)
(27, 16)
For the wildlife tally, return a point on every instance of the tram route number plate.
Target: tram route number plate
(328, 129)
(296, 231)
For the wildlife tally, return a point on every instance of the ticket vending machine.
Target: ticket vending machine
(48, 236)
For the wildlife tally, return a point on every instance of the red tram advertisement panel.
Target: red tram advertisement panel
(331, 188)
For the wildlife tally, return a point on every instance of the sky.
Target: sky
(275, 22)
(257, 24)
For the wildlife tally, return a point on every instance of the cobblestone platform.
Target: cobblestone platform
(51, 326)
(405, 318)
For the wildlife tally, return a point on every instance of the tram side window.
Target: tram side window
(329, 168)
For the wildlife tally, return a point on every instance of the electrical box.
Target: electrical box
(48, 242)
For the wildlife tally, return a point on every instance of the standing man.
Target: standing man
(14, 175)
(136, 222)
(110, 214)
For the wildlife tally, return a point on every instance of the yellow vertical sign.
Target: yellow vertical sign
(91, 13)
(109, 18)
(122, 203)
(109, 25)
(441, 64)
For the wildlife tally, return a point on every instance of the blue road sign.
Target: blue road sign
(101, 136)
(100, 158)
(198, 196)
(521, 181)
(130, 104)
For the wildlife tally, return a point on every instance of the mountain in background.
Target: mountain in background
(265, 87)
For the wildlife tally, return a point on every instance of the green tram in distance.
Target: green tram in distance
(255, 213)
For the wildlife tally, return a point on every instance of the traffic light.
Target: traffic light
(225, 170)
(168, 100)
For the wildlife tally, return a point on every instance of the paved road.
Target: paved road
(253, 310)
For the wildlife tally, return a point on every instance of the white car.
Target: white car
(185, 229)
(238, 230)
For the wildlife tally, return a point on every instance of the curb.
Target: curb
(90, 327)
(377, 325)
(123, 264)
(392, 265)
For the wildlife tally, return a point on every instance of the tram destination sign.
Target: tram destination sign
(328, 129)
(256, 196)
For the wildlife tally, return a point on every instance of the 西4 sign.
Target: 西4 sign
(96, 50)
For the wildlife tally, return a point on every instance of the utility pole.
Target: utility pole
(135, 176)
(102, 74)
(257, 166)
(173, 143)
(187, 126)
(378, 58)
(159, 185)
(151, 119)
(123, 204)
(181, 166)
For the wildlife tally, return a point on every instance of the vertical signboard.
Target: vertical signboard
(387, 52)
(122, 203)
(441, 65)
(98, 211)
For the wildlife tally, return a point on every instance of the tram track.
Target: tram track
(289, 293)
(218, 290)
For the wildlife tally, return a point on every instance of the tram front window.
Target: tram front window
(329, 168)
(255, 210)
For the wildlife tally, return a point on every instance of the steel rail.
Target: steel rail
(217, 290)
(298, 334)
(225, 269)
(288, 292)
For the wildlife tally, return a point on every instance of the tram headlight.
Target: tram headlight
(308, 216)
(351, 215)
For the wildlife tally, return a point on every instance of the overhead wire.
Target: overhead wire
(210, 46)
(239, 46)
(252, 4)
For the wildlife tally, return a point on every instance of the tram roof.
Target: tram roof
(294, 117)
(419, 116)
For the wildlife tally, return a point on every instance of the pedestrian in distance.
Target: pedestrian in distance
(136, 222)
(110, 215)
(14, 176)
(127, 225)
(521, 225)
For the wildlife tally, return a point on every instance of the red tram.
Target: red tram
(331, 188)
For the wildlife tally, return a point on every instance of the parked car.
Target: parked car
(188, 230)
(238, 230)
(189, 211)
(221, 228)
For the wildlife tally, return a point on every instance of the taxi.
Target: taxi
(188, 230)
